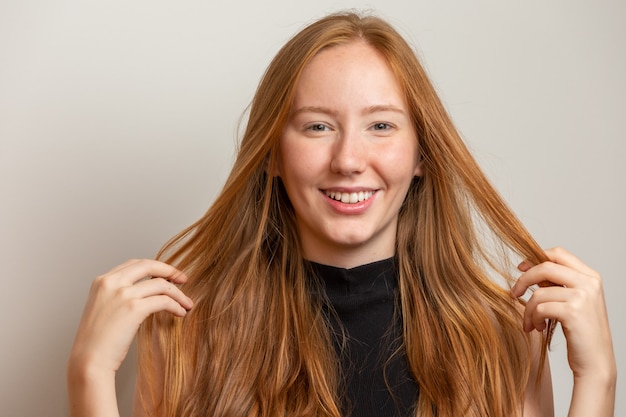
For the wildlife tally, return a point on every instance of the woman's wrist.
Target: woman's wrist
(91, 390)
(602, 376)
(82, 371)
(594, 395)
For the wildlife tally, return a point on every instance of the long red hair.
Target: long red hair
(256, 342)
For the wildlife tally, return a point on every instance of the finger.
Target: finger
(142, 268)
(539, 297)
(563, 257)
(163, 303)
(156, 287)
(546, 271)
(122, 266)
(158, 303)
(551, 310)
(525, 265)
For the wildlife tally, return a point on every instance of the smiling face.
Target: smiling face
(348, 154)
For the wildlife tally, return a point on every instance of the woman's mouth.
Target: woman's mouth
(349, 198)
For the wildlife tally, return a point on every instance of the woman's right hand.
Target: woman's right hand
(118, 302)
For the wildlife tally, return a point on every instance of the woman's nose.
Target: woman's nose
(349, 154)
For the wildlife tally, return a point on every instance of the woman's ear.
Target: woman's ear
(272, 165)
(418, 166)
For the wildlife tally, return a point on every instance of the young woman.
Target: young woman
(345, 268)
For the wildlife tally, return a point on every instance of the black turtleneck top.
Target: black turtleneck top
(362, 301)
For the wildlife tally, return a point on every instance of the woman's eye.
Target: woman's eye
(317, 127)
(381, 126)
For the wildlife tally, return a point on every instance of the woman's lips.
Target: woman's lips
(350, 202)
(349, 197)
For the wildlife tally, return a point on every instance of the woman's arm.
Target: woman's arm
(577, 302)
(118, 303)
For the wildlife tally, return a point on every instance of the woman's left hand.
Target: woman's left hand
(577, 302)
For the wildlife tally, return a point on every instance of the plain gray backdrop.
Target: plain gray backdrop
(118, 121)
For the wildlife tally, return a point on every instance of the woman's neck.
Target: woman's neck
(348, 257)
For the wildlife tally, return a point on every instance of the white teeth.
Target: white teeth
(349, 198)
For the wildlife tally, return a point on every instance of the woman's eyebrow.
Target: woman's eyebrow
(367, 110)
(314, 109)
(383, 108)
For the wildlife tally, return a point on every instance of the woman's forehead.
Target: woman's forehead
(355, 73)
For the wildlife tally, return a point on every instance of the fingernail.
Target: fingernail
(514, 292)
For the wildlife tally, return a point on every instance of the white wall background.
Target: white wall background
(118, 122)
